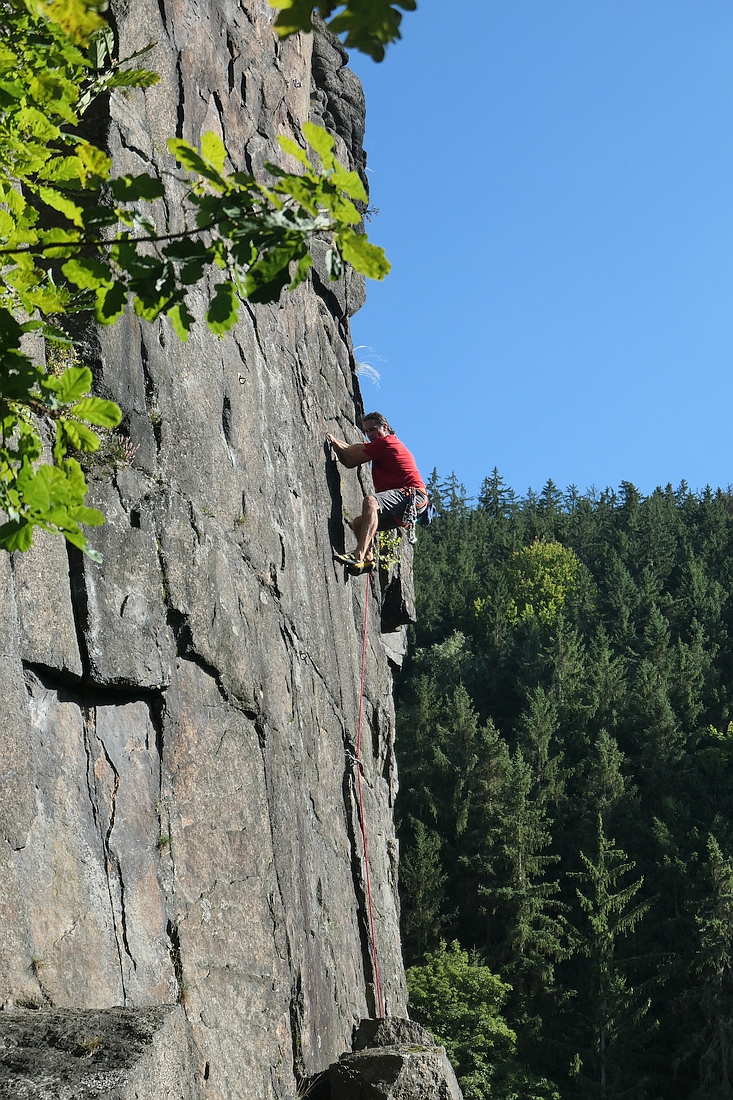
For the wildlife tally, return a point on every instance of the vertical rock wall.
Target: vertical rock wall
(178, 821)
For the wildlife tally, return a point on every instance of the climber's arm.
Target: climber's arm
(348, 454)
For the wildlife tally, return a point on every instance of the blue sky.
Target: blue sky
(554, 185)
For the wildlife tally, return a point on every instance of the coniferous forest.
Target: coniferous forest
(565, 738)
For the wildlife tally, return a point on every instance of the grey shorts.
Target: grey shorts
(392, 504)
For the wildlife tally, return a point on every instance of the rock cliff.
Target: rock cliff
(178, 818)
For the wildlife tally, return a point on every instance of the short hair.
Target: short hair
(380, 421)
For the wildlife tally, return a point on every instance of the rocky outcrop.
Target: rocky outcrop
(392, 1059)
(147, 1054)
(178, 821)
(112, 1054)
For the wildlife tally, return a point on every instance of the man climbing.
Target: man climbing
(399, 493)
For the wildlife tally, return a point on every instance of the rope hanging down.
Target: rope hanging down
(380, 1006)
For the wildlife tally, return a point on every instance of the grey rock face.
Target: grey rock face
(44, 597)
(339, 96)
(398, 595)
(178, 820)
(390, 1032)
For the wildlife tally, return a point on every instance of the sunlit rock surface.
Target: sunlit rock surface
(178, 820)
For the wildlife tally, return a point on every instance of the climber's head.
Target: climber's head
(376, 426)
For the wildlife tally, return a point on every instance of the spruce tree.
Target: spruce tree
(615, 1006)
(712, 969)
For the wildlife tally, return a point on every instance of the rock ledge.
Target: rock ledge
(109, 1054)
(392, 1059)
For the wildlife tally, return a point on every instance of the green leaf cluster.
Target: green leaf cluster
(78, 19)
(257, 235)
(369, 25)
(460, 1001)
(541, 578)
(260, 235)
(49, 496)
(55, 57)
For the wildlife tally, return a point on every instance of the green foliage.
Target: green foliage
(77, 18)
(712, 967)
(63, 249)
(460, 1001)
(614, 1003)
(524, 741)
(45, 80)
(423, 880)
(47, 496)
(541, 578)
(389, 546)
(518, 891)
(369, 25)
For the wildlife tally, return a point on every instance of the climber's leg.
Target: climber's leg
(380, 512)
(365, 528)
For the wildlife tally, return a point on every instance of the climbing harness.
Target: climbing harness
(362, 817)
(412, 514)
(409, 516)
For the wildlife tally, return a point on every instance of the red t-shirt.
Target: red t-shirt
(393, 467)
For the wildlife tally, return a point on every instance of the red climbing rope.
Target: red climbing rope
(380, 1006)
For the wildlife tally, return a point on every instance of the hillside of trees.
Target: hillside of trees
(565, 737)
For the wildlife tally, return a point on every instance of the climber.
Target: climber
(399, 493)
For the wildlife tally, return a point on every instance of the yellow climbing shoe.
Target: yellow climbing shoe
(356, 568)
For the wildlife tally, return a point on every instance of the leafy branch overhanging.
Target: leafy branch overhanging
(72, 238)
